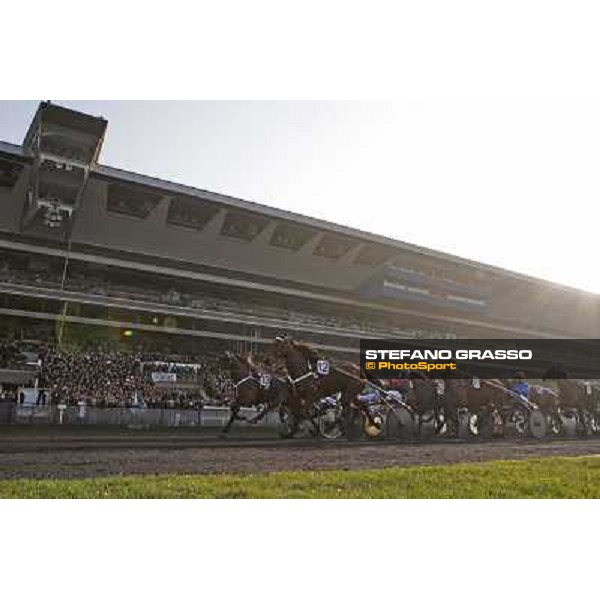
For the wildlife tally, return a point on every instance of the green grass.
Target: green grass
(542, 478)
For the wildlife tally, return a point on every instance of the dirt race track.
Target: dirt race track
(78, 456)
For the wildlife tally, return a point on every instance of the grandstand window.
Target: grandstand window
(130, 200)
(406, 288)
(474, 301)
(9, 173)
(63, 145)
(373, 254)
(193, 214)
(333, 246)
(292, 237)
(61, 194)
(60, 171)
(243, 225)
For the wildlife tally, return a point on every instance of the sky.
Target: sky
(495, 166)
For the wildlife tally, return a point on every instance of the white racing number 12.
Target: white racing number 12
(323, 367)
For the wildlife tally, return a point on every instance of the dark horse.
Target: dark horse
(312, 378)
(576, 399)
(426, 401)
(252, 389)
(548, 401)
(479, 397)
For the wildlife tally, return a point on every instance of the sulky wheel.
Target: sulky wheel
(473, 422)
(441, 426)
(521, 422)
(483, 425)
(515, 423)
(399, 424)
(467, 424)
(538, 424)
(426, 425)
(555, 424)
(330, 425)
(374, 428)
(595, 424)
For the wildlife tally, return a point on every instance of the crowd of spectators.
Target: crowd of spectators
(111, 379)
(96, 378)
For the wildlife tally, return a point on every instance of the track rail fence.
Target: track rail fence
(209, 416)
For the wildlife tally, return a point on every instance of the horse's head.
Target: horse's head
(556, 371)
(282, 343)
(418, 377)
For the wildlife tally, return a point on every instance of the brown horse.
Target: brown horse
(548, 402)
(576, 399)
(253, 390)
(480, 398)
(312, 377)
(426, 402)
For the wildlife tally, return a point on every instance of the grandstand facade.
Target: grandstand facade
(91, 253)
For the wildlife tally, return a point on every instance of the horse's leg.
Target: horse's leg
(313, 418)
(450, 407)
(349, 414)
(558, 423)
(582, 422)
(292, 405)
(261, 413)
(296, 414)
(233, 415)
(345, 414)
(439, 423)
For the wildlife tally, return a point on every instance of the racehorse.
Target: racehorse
(575, 398)
(425, 401)
(312, 378)
(252, 389)
(479, 397)
(548, 402)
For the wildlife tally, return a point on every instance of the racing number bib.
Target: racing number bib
(323, 367)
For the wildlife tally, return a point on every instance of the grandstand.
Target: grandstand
(92, 254)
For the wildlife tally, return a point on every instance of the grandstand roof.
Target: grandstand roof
(125, 211)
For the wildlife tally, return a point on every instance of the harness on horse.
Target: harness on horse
(322, 368)
(242, 381)
(308, 375)
(263, 380)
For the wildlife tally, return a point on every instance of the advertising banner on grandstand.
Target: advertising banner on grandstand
(164, 377)
(489, 359)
